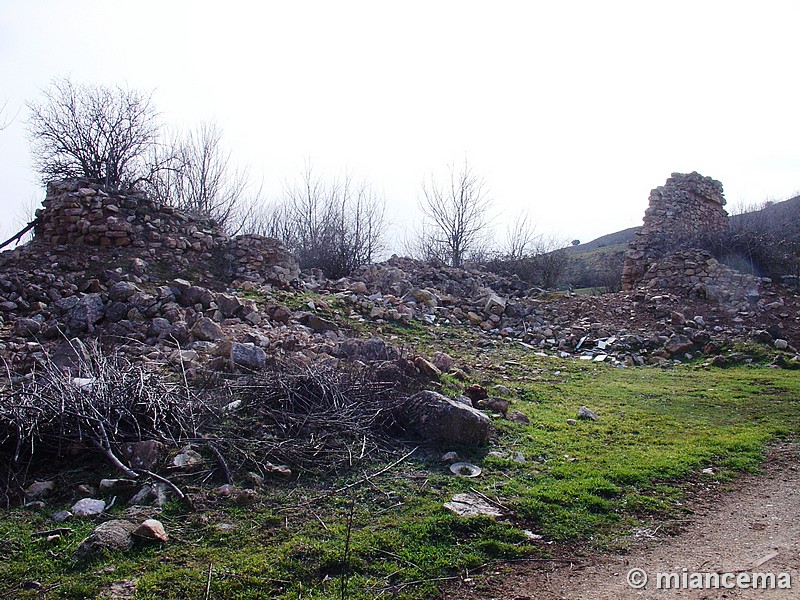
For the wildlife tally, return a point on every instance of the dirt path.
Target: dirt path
(757, 522)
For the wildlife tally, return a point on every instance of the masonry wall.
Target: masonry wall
(667, 252)
(77, 212)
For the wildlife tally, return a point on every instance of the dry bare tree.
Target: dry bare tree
(194, 172)
(537, 259)
(273, 220)
(520, 237)
(335, 226)
(550, 259)
(95, 132)
(456, 213)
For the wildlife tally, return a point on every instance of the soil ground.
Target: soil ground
(750, 525)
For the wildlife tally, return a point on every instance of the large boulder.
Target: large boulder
(206, 330)
(109, 536)
(85, 313)
(435, 417)
(247, 356)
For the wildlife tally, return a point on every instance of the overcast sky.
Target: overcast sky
(570, 110)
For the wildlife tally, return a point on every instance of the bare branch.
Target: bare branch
(5, 121)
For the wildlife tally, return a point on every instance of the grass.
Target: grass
(590, 482)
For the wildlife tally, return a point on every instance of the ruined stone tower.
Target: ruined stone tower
(682, 212)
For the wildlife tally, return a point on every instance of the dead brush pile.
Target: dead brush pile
(315, 420)
(310, 420)
(49, 411)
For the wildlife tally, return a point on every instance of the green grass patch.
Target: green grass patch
(564, 481)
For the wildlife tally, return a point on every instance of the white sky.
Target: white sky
(571, 110)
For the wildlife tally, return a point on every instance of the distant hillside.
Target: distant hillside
(779, 218)
(610, 239)
(599, 263)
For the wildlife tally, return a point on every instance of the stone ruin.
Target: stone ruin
(76, 213)
(670, 251)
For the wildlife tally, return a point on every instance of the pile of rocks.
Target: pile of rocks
(186, 325)
(259, 259)
(244, 303)
(631, 328)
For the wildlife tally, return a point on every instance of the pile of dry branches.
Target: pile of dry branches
(113, 402)
(311, 419)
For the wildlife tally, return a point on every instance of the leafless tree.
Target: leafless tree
(94, 132)
(335, 226)
(550, 259)
(272, 220)
(537, 259)
(520, 238)
(194, 172)
(456, 213)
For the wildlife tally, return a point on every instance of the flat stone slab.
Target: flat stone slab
(472, 505)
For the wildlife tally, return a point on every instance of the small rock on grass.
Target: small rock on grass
(151, 530)
(518, 417)
(472, 505)
(111, 535)
(585, 413)
(426, 367)
(476, 392)
(40, 489)
(502, 390)
(496, 405)
(88, 507)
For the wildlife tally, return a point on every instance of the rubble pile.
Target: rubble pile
(259, 259)
(241, 304)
